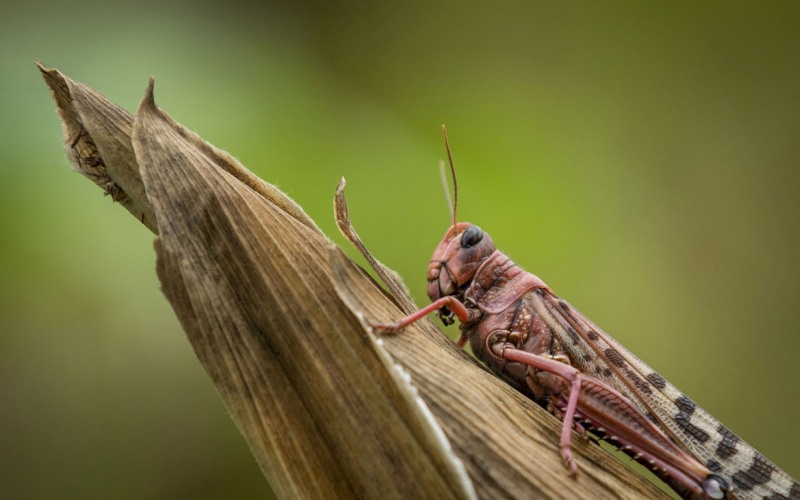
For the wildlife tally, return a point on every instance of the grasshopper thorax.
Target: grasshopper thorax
(457, 258)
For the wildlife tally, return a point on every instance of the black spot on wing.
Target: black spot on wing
(727, 447)
(713, 465)
(683, 420)
(686, 408)
(573, 335)
(607, 372)
(795, 491)
(685, 405)
(760, 472)
(657, 380)
(614, 357)
(638, 382)
(593, 335)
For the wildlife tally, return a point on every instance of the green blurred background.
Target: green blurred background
(640, 157)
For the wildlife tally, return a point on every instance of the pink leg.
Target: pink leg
(567, 373)
(567, 424)
(450, 302)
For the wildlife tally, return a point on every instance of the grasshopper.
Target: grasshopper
(545, 348)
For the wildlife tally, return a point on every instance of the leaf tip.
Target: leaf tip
(149, 99)
(49, 74)
(149, 94)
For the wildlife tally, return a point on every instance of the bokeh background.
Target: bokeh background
(640, 157)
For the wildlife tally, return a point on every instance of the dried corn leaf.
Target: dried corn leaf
(248, 281)
(274, 313)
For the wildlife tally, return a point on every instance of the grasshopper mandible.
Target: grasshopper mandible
(546, 349)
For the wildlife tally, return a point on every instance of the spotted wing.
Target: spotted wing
(748, 472)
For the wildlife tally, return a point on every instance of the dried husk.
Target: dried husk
(278, 317)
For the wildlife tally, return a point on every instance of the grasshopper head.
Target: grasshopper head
(460, 253)
(454, 263)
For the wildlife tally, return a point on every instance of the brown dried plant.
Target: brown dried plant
(277, 315)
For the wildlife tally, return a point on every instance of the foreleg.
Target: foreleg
(451, 303)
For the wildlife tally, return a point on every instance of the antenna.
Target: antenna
(445, 187)
(453, 172)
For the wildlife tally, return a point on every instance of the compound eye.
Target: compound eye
(472, 236)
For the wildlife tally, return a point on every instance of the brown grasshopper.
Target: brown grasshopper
(546, 349)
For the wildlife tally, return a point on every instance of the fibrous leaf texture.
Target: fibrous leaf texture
(279, 318)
